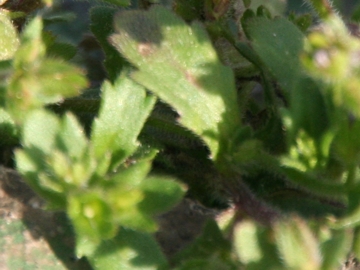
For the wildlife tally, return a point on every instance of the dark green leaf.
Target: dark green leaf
(262, 11)
(308, 108)
(347, 142)
(278, 43)
(102, 26)
(189, 10)
(211, 245)
(121, 3)
(318, 186)
(64, 51)
(8, 130)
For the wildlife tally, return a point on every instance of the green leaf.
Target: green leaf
(58, 80)
(276, 7)
(39, 131)
(178, 63)
(347, 142)
(9, 41)
(262, 11)
(32, 48)
(308, 108)
(121, 3)
(247, 3)
(352, 219)
(246, 242)
(8, 130)
(132, 176)
(303, 21)
(36, 80)
(31, 165)
(323, 8)
(124, 193)
(204, 247)
(297, 245)
(92, 216)
(48, 82)
(6, 70)
(63, 51)
(102, 26)
(72, 140)
(317, 186)
(54, 157)
(122, 115)
(189, 10)
(254, 246)
(160, 194)
(129, 250)
(335, 249)
(278, 43)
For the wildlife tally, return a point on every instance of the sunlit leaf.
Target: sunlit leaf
(9, 41)
(125, 107)
(178, 63)
(297, 245)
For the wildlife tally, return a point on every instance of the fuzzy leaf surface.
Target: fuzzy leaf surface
(122, 115)
(297, 245)
(178, 63)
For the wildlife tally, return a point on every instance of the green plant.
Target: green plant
(234, 103)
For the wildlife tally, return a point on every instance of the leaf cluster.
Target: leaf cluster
(241, 106)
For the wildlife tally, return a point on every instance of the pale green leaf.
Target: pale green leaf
(9, 41)
(39, 131)
(335, 249)
(91, 216)
(246, 242)
(32, 48)
(123, 112)
(31, 164)
(297, 245)
(72, 139)
(178, 63)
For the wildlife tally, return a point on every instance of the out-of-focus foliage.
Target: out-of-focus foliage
(249, 107)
